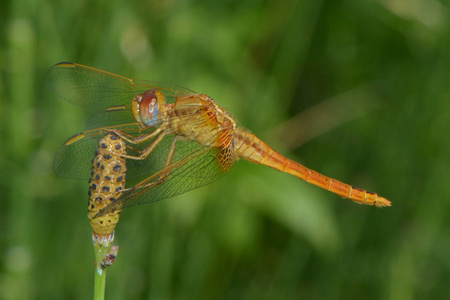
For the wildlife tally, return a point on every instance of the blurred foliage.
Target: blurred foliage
(361, 86)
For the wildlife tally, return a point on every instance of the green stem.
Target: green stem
(100, 271)
(99, 285)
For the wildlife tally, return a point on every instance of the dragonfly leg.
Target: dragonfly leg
(166, 170)
(159, 134)
(137, 140)
(146, 152)
(162, 174)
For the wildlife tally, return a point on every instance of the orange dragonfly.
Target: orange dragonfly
(177, 140)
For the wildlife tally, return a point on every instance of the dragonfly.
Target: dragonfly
(176, 139)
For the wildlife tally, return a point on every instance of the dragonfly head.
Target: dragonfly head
(146, 108)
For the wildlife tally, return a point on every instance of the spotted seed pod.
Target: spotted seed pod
(106, 184)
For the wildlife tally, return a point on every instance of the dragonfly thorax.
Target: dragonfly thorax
(207, 122)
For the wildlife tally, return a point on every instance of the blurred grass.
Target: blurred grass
(257, 233)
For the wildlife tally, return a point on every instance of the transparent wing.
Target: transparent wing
(194, 166)
(95, 90)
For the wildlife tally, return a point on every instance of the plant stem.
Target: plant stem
(100, 271)
(99, 284)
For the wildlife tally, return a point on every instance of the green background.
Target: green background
(357, 90)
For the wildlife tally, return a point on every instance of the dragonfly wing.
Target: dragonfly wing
(88, 88)
(194, 166)
(96, 90)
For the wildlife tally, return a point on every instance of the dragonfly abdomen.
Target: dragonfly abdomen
(251, 148)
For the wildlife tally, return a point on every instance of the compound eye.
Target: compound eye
(148, 108)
